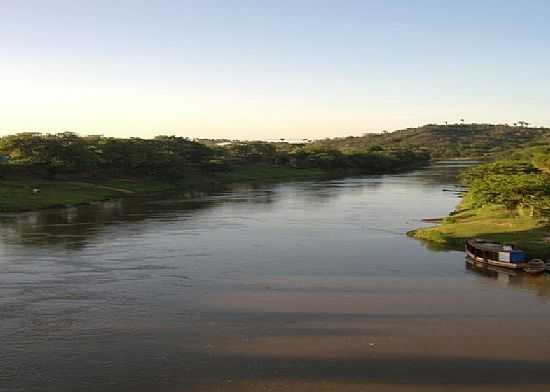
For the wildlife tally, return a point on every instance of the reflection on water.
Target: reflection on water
(512, 278)
(290, 287)
(74, 227)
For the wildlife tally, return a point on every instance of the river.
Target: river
(301, 286)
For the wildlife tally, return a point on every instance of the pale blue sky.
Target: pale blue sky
(270, 69)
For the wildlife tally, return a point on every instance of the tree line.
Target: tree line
(68, 154)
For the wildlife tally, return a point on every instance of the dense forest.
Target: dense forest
(449, 140)
(522, 181)
(67, 154)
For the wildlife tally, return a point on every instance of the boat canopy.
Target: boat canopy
(495, 251)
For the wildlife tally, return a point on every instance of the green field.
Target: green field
(17, 195)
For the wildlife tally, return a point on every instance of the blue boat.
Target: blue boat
(494, 253)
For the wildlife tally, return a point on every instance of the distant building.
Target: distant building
(223, 144)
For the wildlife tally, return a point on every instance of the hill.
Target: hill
(448, 141)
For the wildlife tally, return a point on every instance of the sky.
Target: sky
(270, 69)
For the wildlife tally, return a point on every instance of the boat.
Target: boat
(496, 254)
(487, 269)
(535, 266)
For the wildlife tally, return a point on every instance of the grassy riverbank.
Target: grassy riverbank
(17, 194)
(508, 201)
(492, 222)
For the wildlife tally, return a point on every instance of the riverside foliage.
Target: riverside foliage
(522, 182)
(508, 201)
(68, 154)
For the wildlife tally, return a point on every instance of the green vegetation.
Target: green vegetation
(507, 201)
(314, 156)
(449, 140)
(271, 173)
(491, 222)
(69, 169)
(17, 194)
(517, 185)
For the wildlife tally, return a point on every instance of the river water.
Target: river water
(303, 286)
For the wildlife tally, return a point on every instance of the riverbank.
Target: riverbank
(508, 201)
(16, 195)
(492, 222)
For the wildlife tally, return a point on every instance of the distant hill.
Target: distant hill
(447, 141)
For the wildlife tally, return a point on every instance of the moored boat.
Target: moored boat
(488, 269)
(494, 253)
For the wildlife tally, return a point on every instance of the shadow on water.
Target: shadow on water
(414, 371)
(441, 246)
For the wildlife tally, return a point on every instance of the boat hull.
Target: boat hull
(491, 269)
(495, 263)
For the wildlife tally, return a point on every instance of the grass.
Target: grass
(17, 194)
(492, 222)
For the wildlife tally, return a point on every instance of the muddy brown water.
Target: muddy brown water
(304, 286)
